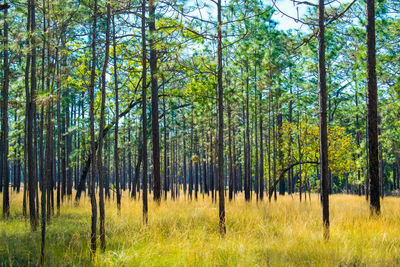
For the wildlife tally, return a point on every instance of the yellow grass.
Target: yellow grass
(185, 233)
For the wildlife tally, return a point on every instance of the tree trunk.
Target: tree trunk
(381, 167)
(58, 83)
(256, 174)
(372, 105)
(165, 150)
(4, 128)
(101, 127)
(63, 130)
(358, 133)
(290, 119)
(247, 182)
(144, 116)
(184, 157)
(279, 139)
(269, 145)
(323, 134)
(154, 105)
(222, 228)
(274, 150)
(191, 159)
(92, 134)
(300, 157)
(30, 95)
(230, 153)
(261, 183)
(47, 176)
(116, 129)
(235, 176)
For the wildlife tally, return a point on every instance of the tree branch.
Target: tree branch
(271, 190)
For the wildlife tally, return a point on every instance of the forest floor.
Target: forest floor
(185, 233)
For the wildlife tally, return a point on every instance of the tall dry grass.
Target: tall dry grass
(185, 233)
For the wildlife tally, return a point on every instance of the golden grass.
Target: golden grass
(185, 233)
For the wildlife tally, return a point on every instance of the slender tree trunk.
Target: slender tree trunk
(63, 130)
(58, 83)
(124, 164)
(172, 177)
(290, 172)
(4, 128)
(184, 157)
(247, 142)
(256, 174)
(41, 144)
(92, 134)
(27, 136)
(100, 142)
(269, 146)
(154, 105)
(381, 167)
(50, 130)
(196, 173)
(68, 148)
(191, 160)
(372, 104)
(235, 176)
(144, 116)
(107, 172)
(230, 153)
(323, 134)
(116, 129)
(165, 149)
(46, 177)
(299, 130)
(30, 119)
(358, 133)
(41, 161)
(212, 161)
(279, 139)
(367, 184)
(222, 228)
(137, 170)
(274, 150)
(261, 183)
(24, 213)
(129, 155)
